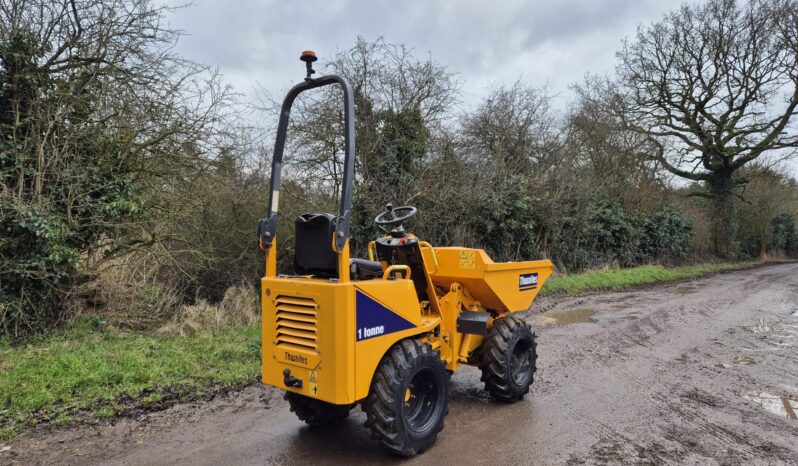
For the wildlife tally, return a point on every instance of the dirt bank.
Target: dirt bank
(704, 371)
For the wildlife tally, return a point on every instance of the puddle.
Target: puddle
(794, 313)
(784, 405)
(573, 316)
(631, 317)
(683, 289)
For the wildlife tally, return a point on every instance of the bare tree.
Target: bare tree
(713, 87)
(513, 127)
(98, 116)
(400, 101)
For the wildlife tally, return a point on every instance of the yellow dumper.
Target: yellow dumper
(387, 332)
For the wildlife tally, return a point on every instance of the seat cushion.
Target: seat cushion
(364, 269)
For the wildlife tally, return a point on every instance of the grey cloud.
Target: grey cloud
(552, 43)
(473, 38)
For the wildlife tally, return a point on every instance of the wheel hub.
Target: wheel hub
(421, 397)
(520, 363)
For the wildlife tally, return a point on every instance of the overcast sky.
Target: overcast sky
(485, 42)
(553, 43)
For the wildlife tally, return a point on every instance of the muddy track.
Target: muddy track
(701, 372)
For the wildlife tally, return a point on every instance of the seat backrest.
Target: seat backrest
(313, 254)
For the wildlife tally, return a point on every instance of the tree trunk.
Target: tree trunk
(721, 188)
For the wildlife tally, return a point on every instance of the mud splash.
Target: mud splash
(573, 316)
(784, 405)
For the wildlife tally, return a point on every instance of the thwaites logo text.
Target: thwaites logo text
(296, 358)
(528, 281)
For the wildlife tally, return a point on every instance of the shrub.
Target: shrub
(784, 237)
(609, 234)
(666, 235)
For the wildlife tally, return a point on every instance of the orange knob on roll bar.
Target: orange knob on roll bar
(308, 56)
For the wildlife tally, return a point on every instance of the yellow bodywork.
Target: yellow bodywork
(311, 326)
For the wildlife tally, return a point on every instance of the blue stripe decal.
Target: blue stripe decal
(375, 320)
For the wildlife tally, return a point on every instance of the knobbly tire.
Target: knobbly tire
(508, 359)
(408, 399)
(315, 412)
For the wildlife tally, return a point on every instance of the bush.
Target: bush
(504, 223)
(666, 235)
(39, 256)
(609, 234)
(94, 126)
(784, 237)
(616, 235)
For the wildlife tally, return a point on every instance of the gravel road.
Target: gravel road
(700, 372)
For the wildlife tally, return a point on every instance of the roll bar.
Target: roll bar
(267, 227)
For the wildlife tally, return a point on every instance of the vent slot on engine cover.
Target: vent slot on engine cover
(296, 322)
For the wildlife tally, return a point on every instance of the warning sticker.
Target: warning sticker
(468, 260)
(313, 384)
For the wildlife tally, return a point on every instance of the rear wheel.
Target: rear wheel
(509, 359)
(408, 399)
(315, 412)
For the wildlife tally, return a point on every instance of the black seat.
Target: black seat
(364, 269)
(313, 254)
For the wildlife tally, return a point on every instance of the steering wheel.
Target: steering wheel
(395, 215)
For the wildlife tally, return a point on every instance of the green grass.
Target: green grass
(608, 280)
(59, 378)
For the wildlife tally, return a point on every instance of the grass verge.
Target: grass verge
(89, 371)
(618, 279)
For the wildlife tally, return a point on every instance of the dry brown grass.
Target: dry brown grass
(240, 306)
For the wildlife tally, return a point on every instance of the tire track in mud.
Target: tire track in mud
(683, 405)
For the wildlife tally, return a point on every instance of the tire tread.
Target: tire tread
(494, 359)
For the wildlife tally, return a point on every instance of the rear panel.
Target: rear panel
(308, 328)
(332, 335)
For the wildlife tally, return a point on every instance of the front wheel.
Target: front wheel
(508, 359)
(408, 399)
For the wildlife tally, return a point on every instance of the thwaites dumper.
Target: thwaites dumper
(386, 332)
